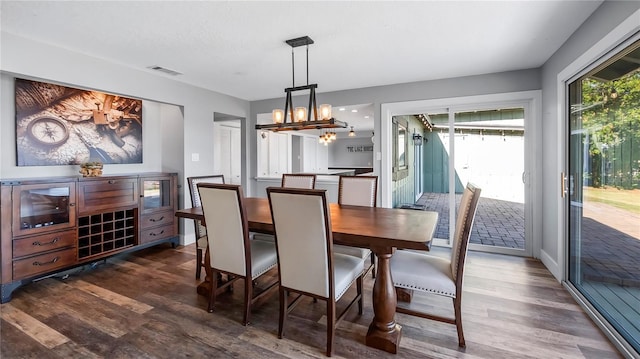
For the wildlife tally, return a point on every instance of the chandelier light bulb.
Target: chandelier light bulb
(301, 114)
(277, 116)
(325, 112)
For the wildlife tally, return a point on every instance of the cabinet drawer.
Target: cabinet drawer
(99, 195)
(43, 263)
(45, 242)
(154, 234)
(156, 219)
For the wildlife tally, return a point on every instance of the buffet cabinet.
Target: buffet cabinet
(55, 224)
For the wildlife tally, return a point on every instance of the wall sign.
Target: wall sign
(360, 148)
(58, 125)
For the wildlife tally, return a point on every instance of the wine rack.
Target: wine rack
(106, 232)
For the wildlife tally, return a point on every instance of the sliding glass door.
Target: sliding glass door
(484, 146)
(602, 189)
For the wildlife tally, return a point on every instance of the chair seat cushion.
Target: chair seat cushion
(263, 257)
(420, 271)
(363, 253)
(202, 242)
(346, 270)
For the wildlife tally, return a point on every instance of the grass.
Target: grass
(628, 200)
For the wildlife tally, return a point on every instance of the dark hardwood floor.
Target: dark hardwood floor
(145, 306)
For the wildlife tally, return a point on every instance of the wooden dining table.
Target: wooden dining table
(383, 230)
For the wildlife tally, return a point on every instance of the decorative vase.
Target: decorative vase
(91, 169)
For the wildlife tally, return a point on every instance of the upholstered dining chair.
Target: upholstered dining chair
(201, 231)
(230, 249)
(291, 180)
(419, 271)
(298, 180)
(358, 191)
(307, 264)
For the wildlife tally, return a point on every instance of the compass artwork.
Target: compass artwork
(58, 125)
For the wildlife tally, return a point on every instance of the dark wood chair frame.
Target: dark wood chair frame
(286, 305)
(193, 191)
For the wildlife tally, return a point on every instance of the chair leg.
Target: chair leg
(373, 264)
(248, 294)
(198, 262)
(359, 293)
(457, 308)
(212, 292)
(331, 325)
(283, 312)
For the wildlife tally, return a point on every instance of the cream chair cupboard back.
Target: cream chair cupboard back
(436, 275)
(298, 180)
(230, 249)
(201, 231)
(306, 262)
(358, 191)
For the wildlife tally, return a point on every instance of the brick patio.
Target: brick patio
(497, 223)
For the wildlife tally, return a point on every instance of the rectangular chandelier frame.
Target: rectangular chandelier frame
(309, 124)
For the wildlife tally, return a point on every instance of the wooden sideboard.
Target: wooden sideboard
(48, 225)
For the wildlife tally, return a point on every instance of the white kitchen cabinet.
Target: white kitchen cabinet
(315, 156)
(274, 153)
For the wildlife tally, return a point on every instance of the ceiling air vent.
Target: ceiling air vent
(166, 71)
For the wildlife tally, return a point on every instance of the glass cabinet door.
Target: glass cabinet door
(156, 194)
(43, 207)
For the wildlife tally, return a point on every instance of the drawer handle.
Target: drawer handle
(156, 220)
(153, 234)
(111, 181)
(37, 243)
(38, 264)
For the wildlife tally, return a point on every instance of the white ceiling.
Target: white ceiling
(238, 48)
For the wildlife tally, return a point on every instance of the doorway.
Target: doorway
(227, 149)
(485, 140)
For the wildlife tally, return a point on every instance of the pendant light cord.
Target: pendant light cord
(307, 64)
(293, 68)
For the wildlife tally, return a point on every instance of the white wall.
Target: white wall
(25, 58)
(607, 17)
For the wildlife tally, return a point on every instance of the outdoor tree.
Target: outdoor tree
(611, 113)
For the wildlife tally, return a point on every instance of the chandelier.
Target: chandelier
(299, 118)
(327, 137)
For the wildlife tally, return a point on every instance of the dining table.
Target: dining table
(383, 230)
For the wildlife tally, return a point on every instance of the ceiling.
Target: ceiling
(238, 48)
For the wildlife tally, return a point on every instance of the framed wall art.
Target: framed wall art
(59, 125)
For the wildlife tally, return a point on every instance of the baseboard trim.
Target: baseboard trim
(551, 265)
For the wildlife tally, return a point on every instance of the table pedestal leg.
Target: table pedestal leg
(384, 333)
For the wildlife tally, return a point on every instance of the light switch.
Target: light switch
(195, 157)
(378, 156)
